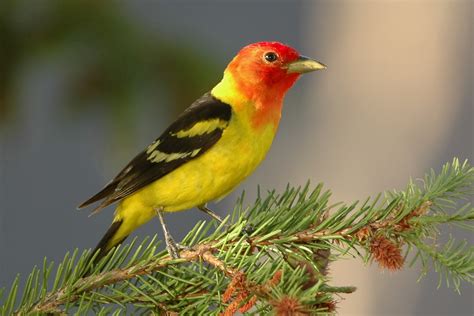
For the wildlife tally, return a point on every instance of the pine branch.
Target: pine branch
(272, 257)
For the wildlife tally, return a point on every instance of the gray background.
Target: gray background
(395, 101)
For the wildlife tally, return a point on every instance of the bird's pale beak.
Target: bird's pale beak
(304, 64)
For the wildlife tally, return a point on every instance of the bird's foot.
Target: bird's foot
(248, 229)
(172, 247)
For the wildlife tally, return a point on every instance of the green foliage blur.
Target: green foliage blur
(111, 62)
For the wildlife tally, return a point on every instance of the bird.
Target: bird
(217, 142)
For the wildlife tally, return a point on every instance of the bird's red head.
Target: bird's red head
(260, 75)
(261, 68)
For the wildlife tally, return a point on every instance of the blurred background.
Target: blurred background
(86, 85)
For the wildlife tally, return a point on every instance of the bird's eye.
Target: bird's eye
(271, 57)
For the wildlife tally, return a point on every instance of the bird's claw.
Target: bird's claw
(248, 229)
(174, 248)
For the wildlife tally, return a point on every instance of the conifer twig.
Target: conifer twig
(273, 257)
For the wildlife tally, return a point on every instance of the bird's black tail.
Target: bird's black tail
(105, 245)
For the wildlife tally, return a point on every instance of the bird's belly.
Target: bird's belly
(210, 176)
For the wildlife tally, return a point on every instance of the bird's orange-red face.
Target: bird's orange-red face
(256, 80)
(262, 68)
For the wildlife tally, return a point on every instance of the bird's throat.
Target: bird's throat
(262, 105)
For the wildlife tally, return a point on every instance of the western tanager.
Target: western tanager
(212, 146)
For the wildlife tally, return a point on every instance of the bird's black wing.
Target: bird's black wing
(196, 130)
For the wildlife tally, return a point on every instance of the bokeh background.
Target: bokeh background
(85, 85)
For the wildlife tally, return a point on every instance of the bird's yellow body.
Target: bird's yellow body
(210, 176)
